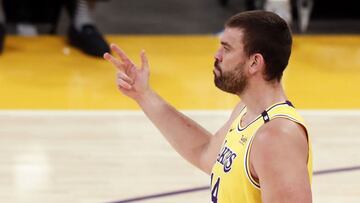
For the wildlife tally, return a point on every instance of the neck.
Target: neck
(259, 97)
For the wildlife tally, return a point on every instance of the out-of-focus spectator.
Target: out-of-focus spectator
(2, 27)
(82, 32)
(280, 7)
(304, 8)
(283, 8)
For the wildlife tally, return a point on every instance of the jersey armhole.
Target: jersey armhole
(248, 174)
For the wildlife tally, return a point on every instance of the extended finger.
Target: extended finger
(144, 60)
(114, 61)
(121, 54)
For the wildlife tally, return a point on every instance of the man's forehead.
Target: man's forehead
(232, 36)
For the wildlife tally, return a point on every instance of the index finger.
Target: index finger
(121, 54)
(114, 61)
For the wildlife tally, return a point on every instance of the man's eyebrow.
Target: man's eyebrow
(225, 44)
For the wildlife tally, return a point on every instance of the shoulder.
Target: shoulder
(280, 139)
(281, 129)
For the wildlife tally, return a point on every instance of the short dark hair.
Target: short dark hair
(268, 34)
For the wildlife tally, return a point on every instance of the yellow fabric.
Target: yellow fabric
(231, 181)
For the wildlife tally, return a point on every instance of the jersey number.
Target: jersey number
(215, 189)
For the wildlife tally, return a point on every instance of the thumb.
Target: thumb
(144, 61)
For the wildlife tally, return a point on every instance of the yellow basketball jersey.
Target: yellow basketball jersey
(231, 181)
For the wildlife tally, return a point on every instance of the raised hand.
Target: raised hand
(132, 80)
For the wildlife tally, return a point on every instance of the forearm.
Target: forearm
(187, 137)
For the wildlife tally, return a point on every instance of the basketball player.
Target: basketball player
(262, 153)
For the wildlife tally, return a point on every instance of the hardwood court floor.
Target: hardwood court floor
(105, 156)
(43, 73)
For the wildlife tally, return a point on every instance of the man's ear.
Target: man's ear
(256, 63)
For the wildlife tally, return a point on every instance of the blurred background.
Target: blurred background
(208, 16)
(68, 135)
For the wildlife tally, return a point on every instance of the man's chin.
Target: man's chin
(219, 85)
(223, 88)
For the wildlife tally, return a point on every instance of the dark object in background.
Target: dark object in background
(249, 4)
(325, 9)
(332, 10)
(89, 40)
(35, 11)
(2, 37)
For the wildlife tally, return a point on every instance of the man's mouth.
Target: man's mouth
(216, 66)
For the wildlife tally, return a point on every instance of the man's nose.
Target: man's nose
(218, 55)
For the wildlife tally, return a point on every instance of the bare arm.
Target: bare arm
(279, 160)
(189, 139)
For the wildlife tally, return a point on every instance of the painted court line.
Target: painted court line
(197, 189)
(336, 170)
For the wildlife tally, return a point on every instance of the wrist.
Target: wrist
(145, 96)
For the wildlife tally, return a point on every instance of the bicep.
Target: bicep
(279, 158)
(285, 184)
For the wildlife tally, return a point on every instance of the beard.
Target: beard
(233, 82)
